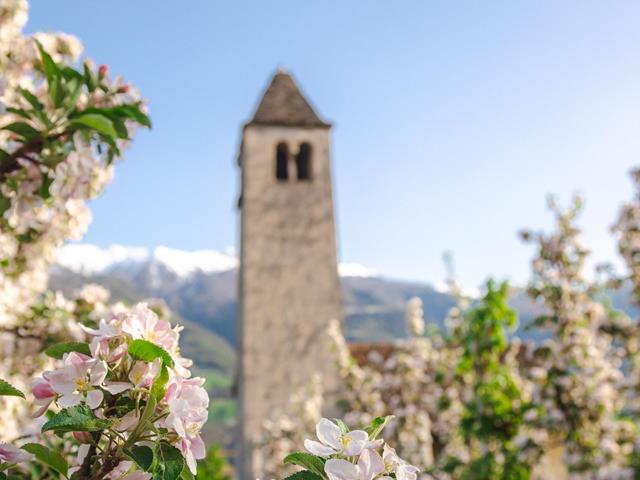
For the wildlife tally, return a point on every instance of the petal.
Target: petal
(94, 398)
(329, 433)
(83, 450)
(358, 440)
(198, 448)
(318, 449)
(117, 387)
(406, 472)
(390, 456)
(62, 381)
(191, 462)
(370, 463)
(98, 373)
(69, 400)
(375, 444)
(41, 410)
(338, 469)
(128, 422)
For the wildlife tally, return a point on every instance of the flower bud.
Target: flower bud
(82, 437)
(102, 71)
(123, 89)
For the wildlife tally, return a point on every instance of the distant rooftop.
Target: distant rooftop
(284, 105)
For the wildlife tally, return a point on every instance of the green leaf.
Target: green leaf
(51, 70)
(303, 475)
(48, 457)
(56, 91)
(133, 111)
(89, 78)
(377, 425)
(148, 352)
(159, 383)
(19, 112)
(186, 474)
(169, 462)
(59, 349)
(146, 415)
(31, 98)
(307, 461)
(75, 419)
(23, 129)
(97, 122)
(8, 390)
(142, 455)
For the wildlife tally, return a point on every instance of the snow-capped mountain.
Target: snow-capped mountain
(90, 259)
(198, 285)
(87, 259)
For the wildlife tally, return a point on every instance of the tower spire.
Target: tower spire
(283, 104)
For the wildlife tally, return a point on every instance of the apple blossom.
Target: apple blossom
(334, 441)
(73, 383)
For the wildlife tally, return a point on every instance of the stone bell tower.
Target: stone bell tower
(289, 285)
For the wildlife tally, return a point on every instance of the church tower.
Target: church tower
(289, 285)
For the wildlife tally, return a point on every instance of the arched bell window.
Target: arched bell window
(282, 161)
(303, 162)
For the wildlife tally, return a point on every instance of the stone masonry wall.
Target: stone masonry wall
(289, 284)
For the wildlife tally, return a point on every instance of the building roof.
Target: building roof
(283, 104)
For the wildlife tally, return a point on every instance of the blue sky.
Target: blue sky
(453, 120)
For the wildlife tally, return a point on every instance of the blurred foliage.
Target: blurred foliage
(214, 466)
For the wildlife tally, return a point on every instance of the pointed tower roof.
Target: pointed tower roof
(284, 105)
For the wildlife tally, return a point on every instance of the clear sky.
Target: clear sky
(453, 120)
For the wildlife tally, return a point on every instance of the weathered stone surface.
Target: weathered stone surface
(289, 284)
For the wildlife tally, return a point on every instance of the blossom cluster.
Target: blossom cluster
(63, 125)
(341, 454)
(125, 391)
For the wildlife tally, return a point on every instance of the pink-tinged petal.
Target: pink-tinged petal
(172, 391)
(94, 398)
(117, 387)
(98, 373)
(69, 400)
(191, 462)
(128, 422)
(357, 441)
(117, 473)
(198, 448)
(11, 454)
(62, 381)
(42, 389)
(118, 353)
(79, 361)
(338, 469)
(329, 433)
(40, 411)
(318, 448)
(195, 381)
(370, 464)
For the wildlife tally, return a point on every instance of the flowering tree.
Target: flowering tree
(474, 402)
(112, 397)
(62, 128)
